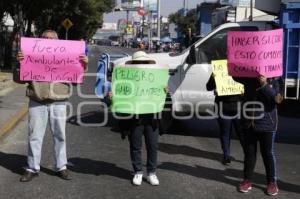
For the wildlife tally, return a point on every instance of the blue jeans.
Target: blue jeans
(267, 142)
(38, 117)
(226, 127)
(151, 140)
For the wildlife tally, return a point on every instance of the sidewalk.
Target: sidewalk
(6, 83)
(13, 103)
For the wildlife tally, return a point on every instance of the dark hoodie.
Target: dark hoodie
(230, 103)
(259, 105)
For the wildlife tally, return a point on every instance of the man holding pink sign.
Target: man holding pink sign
(51, 60)
(48, 65)
(255, 60)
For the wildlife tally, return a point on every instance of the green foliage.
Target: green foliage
(86, 15)
(184, 22)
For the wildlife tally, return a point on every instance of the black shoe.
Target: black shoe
(28, 176)
(64, 174)
(226, 160)
(124, 134)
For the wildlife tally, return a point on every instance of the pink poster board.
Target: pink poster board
(251, 54)
(51, 60)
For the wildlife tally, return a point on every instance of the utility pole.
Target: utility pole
(158, 19)
(19, 25)
(190, 35)
(184, 7)
(20, 19)
(143, 26)
(149, 26)
(127, 24)
(251, 11)
(127, 17)
(150, 31)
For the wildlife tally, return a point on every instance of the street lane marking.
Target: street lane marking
(13, 121)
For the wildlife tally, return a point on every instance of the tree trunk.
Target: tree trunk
(8, 56)
(28, 30)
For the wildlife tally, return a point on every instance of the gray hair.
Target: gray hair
(50, 31)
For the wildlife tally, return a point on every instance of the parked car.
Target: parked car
(103, 42)
(115, 40)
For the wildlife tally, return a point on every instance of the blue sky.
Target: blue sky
(167, 7)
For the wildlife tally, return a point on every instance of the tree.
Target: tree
(11, 7)
(184, 23)
(86, 15)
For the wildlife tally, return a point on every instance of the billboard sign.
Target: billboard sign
(122, 24)
(245, 3)
(130, 4)
(109, 26)
(150, 5)
(234, 3)
(270, 6)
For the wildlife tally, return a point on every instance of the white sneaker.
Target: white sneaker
(152, 179)
(137, 179)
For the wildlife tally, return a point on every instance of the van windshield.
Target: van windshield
(215, 46)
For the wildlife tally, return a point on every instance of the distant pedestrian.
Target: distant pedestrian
(229, 120)
(259, 123)
(44, 106)
(157, 46)
(141, 46)
(86, 46)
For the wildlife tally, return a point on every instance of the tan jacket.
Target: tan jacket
(46, 92)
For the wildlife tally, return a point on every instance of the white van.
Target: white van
(191, 70)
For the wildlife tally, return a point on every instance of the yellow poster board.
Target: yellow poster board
(224, 83)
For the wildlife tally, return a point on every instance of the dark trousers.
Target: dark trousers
(151, 140)
(266, 141)
(226, 127)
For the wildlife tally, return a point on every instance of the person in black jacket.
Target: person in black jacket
(138, 125)
(228, 119)
(259, 122)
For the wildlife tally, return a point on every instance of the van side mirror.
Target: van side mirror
(191, 59)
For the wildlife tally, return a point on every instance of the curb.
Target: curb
(10, 87)
(14, 120)
(6, 91)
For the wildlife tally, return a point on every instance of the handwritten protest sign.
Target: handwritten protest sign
(224, 83)
(251, 54)
(139, 90)
(51, 60)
